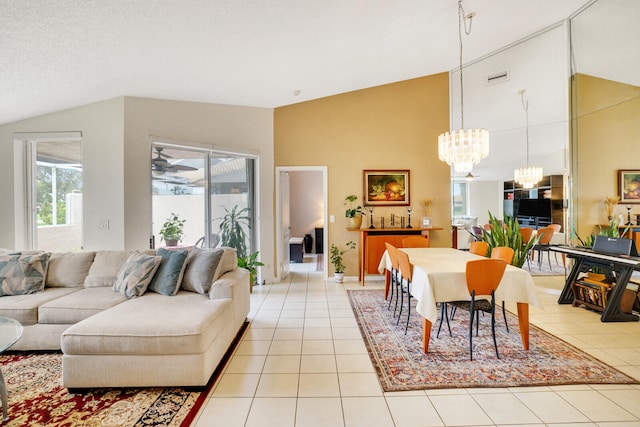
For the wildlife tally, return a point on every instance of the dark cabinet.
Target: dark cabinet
(319, 240)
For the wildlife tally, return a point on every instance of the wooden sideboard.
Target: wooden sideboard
(372, 245)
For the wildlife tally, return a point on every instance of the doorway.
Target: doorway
(301, 209)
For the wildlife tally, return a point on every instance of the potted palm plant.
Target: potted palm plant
(336, 255)
(172, 230)
(354, 212)
(508, 234)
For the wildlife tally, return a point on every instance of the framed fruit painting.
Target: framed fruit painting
(386, 187)
(629, 186)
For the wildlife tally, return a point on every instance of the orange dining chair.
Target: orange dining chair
(504, 253)
(483, 278)
(406, 273)
(415, 242)
(543, 245)
(526, 233)
(479, 248)
(395, 270)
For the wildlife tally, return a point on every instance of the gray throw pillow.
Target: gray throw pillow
(201, 268)
(167, 279)
(135, 275)
(23, 274)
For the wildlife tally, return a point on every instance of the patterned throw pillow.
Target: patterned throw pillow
(167, 279)
(22, 274)
(136, 274)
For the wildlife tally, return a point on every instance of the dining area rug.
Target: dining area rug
(37, 398)
(401, 364)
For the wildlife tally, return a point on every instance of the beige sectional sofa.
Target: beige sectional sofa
(116, 331)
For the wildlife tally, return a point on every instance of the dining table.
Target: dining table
(439, 275)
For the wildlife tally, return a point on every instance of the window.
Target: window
(460, 199)
(54, 191)
(201, 187)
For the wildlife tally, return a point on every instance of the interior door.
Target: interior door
(285, 224)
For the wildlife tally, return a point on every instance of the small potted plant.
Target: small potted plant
(172, 230)
(354, 212)
(251, 263)
(336, 260)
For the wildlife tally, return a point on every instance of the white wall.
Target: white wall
(485, 197)
(306, 202)
(102, 126)
(116, 138)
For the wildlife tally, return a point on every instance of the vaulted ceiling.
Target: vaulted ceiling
(58, 54)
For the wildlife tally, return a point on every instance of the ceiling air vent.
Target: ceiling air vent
(499, 77)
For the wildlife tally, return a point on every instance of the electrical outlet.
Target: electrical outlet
(103, 224)
(332, 218)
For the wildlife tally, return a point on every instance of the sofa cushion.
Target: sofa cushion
(201, 269)
(153, 324)
(69, 270)
(228, 262)
(22, 274)
(24, 308)
(221, 288)
(105, 268)
(79, 305)
(135, 275)
(167, 279)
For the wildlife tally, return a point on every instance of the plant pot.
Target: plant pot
(354, 222)
(339, 277)
(172, 242)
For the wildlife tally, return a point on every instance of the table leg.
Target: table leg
(426, 334)
(3, 395)
(387, 283)
(523, 320)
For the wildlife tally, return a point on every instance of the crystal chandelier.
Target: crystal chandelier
(530, 175)
(463, 148)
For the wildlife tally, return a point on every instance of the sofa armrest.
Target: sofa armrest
(234, 285)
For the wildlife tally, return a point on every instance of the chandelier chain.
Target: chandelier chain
(525, 106)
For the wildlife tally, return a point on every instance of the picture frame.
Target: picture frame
(386, 187)
(629, 186)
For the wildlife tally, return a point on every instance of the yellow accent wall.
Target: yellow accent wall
(606, 125)
(395, 126)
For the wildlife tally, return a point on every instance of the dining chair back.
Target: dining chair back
(406, 271)
(415, 242)
(556, 227)
(526, 233)
(504, 253)
(483, 278)
(392, 251)
(479, 248)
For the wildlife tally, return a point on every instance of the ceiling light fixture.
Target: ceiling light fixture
(529, 175)
(469, 177)
(463, 148)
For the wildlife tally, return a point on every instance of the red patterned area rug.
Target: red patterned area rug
(401, 364)
(37, 398)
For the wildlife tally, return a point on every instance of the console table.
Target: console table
(622, 266)
(372, 245)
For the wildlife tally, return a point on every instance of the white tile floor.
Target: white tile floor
(303, 363)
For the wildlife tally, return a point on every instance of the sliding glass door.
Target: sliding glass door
(206, 189)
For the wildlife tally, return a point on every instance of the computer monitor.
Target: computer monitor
(614, 246)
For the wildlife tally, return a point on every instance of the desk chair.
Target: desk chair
(395, 270)
(406, 272)
(483, 278)
(415, 242)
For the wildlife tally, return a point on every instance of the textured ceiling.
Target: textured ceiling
(57, 54)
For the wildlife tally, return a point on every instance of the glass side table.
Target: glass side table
(10, 332)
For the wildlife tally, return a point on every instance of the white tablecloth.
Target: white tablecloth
(439, 275)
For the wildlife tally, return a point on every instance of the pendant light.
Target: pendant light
(529, 175)
(463, 148)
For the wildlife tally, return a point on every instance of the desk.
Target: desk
(10, 332)
(439, 276)
(622, 267)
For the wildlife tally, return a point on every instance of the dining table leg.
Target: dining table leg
(523, 320)
(426, 334)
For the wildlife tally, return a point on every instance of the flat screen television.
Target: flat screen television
(535, 207)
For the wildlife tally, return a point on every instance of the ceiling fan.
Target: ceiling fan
(160, 164)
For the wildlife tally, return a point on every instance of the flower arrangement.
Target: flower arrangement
(426, 205)
(610, 204)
